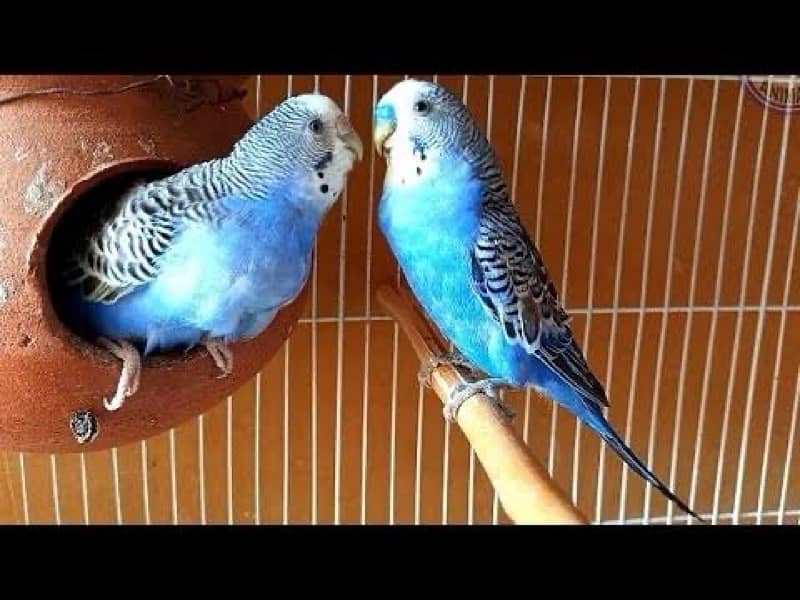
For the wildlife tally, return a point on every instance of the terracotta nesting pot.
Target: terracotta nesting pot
(66, 141)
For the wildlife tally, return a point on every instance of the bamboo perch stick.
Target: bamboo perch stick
(524, 488)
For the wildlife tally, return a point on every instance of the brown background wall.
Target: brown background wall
(694, 327)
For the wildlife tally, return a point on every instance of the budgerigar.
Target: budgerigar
(446, 212)
(210, 254)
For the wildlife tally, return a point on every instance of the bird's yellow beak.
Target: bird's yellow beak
(348, 135)
(384, 126)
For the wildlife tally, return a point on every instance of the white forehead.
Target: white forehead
(404, 93)
(319, 104)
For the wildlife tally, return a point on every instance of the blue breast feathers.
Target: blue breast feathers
(223, 280)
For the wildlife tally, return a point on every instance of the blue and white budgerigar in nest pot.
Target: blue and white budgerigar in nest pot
(207, 256)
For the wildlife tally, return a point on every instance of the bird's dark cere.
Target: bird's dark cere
(321, 175)
(324, 188)
(419, 171)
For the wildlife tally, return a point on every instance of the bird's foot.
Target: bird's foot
(453, 358)
(222, 356)
(462, 391)
(128, 382)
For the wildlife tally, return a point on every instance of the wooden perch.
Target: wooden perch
(524, 488)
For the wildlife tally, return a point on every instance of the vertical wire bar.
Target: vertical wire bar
(551, 457)
(642, 295)
(23, 480)
(393, 436)
(173, 476)
(368, 323)
(576, 132)
(523, 80)
(687, 332)
(662, 334)
(229, 459)
(419, 439)
(257, 457)
(201, 461)
(617, 285)
(393, 425)
(774, 392)
(787, 468)
(543, 155)
(471, 483)
(717, 294)
(286, 394)
(419, 445)
(117, 498)
(751, 385)
(257, 424)
(418, 461)
(739, 316)
(258, 96)
(314, 373)
(286, 348)
(489, 110)
(54, 483)
(84, 490)
(446, 473)
(446, 453)
(146, 479)
(601, 162)
(447, 424)
(418, 455)
(337, 480)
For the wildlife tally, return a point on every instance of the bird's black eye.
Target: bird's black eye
(421, 107)
(315, 126)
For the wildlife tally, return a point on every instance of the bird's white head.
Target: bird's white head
(308, 139)
(417, 122)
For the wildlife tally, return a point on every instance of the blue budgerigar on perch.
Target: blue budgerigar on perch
(210, 254)
(446, 213)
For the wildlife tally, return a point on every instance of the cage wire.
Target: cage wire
(666, 209)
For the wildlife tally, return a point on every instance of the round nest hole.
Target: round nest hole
(80, 207)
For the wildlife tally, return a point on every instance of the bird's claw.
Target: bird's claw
(221, 355)
(115, 403)
(128, 383)
(454, 359)
(127, 387)
(463, 391)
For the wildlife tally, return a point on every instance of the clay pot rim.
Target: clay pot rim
(36, 274)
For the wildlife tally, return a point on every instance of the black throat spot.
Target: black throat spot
(324, 162)
(419, 147)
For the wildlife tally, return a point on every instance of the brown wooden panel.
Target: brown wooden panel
(272, 453)
(214, 466)
(621, 114)
(187, 472)
(722, 168)
(68, 476)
